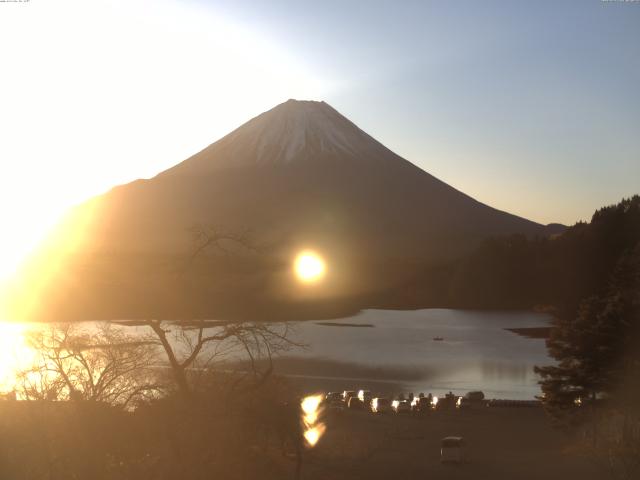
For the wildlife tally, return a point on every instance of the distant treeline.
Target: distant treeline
(520, 272)
(510, 272)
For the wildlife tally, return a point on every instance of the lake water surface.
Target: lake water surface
(383, 351)
(476, 352)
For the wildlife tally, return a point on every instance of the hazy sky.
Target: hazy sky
(531, 107)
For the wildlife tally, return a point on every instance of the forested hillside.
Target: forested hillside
(528, 272)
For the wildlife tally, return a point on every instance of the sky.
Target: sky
(530, 107)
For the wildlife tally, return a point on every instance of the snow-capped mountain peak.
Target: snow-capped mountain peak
(294, 131)
(290, 128)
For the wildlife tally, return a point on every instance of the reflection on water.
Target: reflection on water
(517, 373)
(476, 352)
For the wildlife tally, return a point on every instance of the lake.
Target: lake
(386, 351)
(396, 349)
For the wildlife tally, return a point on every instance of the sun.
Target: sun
(253, 71)
(309, 267)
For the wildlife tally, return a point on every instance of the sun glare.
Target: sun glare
(104, 117)
(313, 429)
(313, 434)
(309, 267)
(310, 408)
(15, 354)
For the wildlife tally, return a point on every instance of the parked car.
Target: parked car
(476, 396)
(471, 400)
(333, 401)
(333, 397)
(453, 449)
(355, 403)
(448, 402)
(401, 406)
(420, 405)
(347, 394)
(380, 405)
(365, 396)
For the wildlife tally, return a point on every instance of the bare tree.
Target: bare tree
(197, 344)
(99, 363)
(219, 239)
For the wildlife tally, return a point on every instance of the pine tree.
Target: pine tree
(595, 350)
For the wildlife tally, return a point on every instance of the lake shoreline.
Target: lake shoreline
(541, 333)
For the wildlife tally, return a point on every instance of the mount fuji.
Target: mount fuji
(299, 176)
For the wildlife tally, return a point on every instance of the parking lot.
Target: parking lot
(504, 442)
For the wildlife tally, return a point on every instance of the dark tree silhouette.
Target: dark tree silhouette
(198, 342)
(102, 364)
(594, 349)
(519, 272)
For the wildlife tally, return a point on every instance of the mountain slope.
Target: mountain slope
(298, 176)
(303, 164)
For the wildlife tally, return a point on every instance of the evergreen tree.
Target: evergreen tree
(595, 348)
(562, 271)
